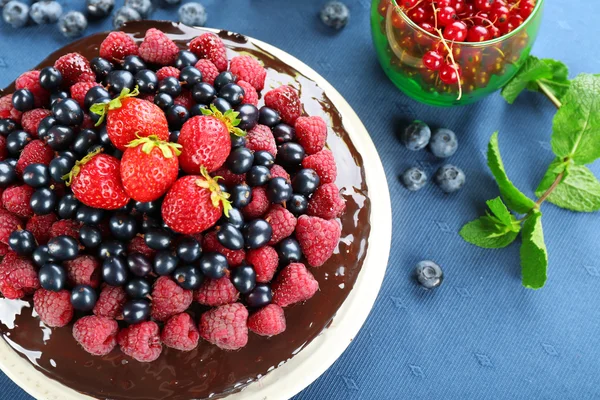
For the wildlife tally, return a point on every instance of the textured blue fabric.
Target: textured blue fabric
(480, 335)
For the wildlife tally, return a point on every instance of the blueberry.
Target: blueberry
(118, 80)
(443, 143)
(335, 14)
(414, 178)
(40, 256)
(240, 195)
(248, 116)
(72, 24)
(136, 311)
(223, 79)
(158, 239)
(143, 7)
(184, 59)
(237, 141)
(235, 218)
(188, 277)
(101, 67)
(90, 236)
(233, 93)
(138, 288)
(170, 85)
(297, 204)
(83, 298)
(68, 112)
(269, 117)
(192, 14)
(45, 12)
(60, 166)
(240, 160)
(174, 136)
(15, 14)
(60, 137)
(165, 262)
(8, 175)
(279, 190)
(260, 296)
(203, 93)
(213, 265)
(306, 181)
(163, 100)
(111, 248)
(289, 251)
(22, 242)
(124, 14)
(222, 104)
(188, 250)
(416, 136)
(283, 133)
(114, 271)
(43, 201)
(171, 2)
(243, 278)
(148, 207)
(257, 233)
(52, 277)
(290, 154)
(449, 178)
(36, 175)
(429, 274)
(7, 125)
(99, 8)
(176, 116)
(84, 141)
(230, 237)
(258, 176)
(58, 96)
(50, 77)
(139, 265)
(63, 248)
(264, 158)
(22, 100)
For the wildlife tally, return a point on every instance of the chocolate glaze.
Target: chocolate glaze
(208, 370)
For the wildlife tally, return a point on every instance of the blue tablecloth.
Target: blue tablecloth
(480, 335)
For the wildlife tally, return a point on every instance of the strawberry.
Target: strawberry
(149, 167)
(210, 46)
(206, 141)
(194, 203)
(128, 117)
(96, 182)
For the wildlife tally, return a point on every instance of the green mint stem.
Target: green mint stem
(547, 193)
(546, 90)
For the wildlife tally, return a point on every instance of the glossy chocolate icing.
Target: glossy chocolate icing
(208, 370)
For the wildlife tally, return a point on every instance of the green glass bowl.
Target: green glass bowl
(486, 66)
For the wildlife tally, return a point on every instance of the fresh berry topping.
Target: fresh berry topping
(216, 292)
(323, 164)
(210, 46)
(277, 171)
(166, 72)
(264, 260)
(84, 270)
(318, 238)
(31, 120)
(326, 202)
(18, 277)
(54, 308)
(294, 284)
(429, 274)
(250, 94)
(110, 302)
(285, 100)
(157, 48)
(138, 245)
(268, 321)
(141, 341)
(74, 68)
(39, 226)
(258, 205)
(209, 71)
(180, 332)
(64, 227)
(35, 152)
(7, 110)
(247, 68)
(9, 222)
(311, 133)
(31, 81)
(261, 138)
(228, 178)
(97, 335)
(282, 221)
(168, 298)
(225, 326)
(16, 200)
(117, 46)
(212, 244)
(80, 89)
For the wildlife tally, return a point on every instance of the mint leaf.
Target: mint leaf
(500, 211)
(532, 70)
(492, 231)
(576, 125)
(513, 197)
(558, 84)
(578, 191)
(534, 256)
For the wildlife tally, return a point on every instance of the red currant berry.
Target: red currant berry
(526, 9)
(398, 21)
(459, 6)
(383, 7)
(433, 60)
(426, 26)
(484, 5)
(418, 15)
(449, 74)
(500, 15)
(499, 3)
(468, 11)
(478, 33)
(456, 31)
(494, 32)
(516, 20)
(443, 3)
(409, 3)
(446, 16)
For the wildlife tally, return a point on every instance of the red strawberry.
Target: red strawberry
(149, 167)
(286, 101)
(210, 46)
(157, 48)
(318, 238)
(74, 68)
(194, 203)
(117, 46)
(128, 118)
(311, 133)
(96, 182)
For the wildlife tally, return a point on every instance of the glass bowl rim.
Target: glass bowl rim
(410, 22)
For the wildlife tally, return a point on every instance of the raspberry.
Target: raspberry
(326, 202)
(184, 99)
(209, 46)
(87, 122)
(216, 292)
(8, 223)
(261, 138)
(83, 270)
(268, 321)
(311, 133)
(30, 80)
(318, 238)
(250, 94)
(110, 302)
(225, 326)
(54, 308)
(80, 89)
(7, 110)
(211, 244)
(18, 277)
(180, 333)
(247, 68)
(74, 68)
(208, 69)
(141, 341)
(294, 284)
(285, 100)
(282, 221)
(258, 205)
(166, 72)
(31, 119)
(265, 261)
(277, 171)
(39, 226)
(229, 178)
(3, 150)
(157, 48)
(168, 298)
(65, 227)
(34, 152)
(138, 245)
(4, 249)
(117, 46)
(97, 335)
(16, 200)
(324, 165)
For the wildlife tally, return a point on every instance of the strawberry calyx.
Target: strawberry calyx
(102, 109)
(68, 178)
(230, 119)
(152, 141)
(217, 195)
